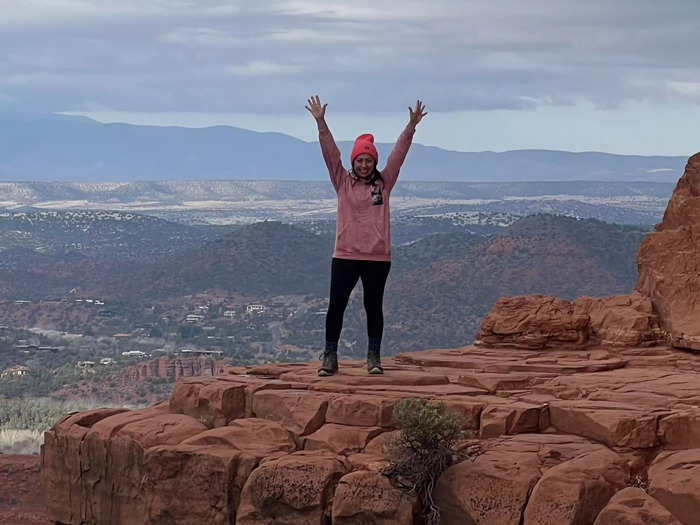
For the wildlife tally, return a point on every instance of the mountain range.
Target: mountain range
(75, 148)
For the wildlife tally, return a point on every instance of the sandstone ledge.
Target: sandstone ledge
(560, 433)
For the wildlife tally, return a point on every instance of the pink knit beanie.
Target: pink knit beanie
(364, 144)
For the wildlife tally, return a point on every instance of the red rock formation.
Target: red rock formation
(632, 506)
(494, 488)
(558, 430)
(621, 320)
(588, 481)
(674, 481)
(533, 321)
(364, 497)
(172, 368)
(543, 321)
(669, 262)
(664, 308)
(296, 489)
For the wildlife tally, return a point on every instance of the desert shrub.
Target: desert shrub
(207, 421)
(24, 421)
(24, 441)
(423, 449)
(31, 414)
(639, 480)
(42, 413)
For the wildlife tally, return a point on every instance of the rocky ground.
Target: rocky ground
(21, 498)
(558, 433)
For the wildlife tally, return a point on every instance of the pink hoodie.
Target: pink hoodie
(362, 228)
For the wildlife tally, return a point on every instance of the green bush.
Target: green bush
(423, 450)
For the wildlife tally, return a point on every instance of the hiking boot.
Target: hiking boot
(329, 360)
(373, 364)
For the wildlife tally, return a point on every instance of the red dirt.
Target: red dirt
(21, 495)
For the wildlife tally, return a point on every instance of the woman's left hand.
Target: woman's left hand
(417, 114)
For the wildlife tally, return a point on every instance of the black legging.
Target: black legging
(344, 275)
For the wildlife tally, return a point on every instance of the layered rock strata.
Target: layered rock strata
(560, 434)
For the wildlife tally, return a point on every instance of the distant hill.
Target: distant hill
(438, 297)
(92, 233)
(265, 258)
(69, 148)
(439, 288)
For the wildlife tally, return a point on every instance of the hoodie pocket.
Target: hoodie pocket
(359, 237)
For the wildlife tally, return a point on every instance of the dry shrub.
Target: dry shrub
(423, 450)
(23, 421)
(24, 441)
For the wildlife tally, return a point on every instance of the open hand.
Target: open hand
(417, 114)
(315, 108)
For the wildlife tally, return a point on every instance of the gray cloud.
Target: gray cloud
(211, 55)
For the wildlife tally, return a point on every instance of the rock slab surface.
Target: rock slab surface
(559, 433)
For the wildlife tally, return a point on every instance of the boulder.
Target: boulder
(469, 408)
(192, 484)
(542, 321)
(633, 506)
(674, 480)
(294, 489)
(380, 445)
(367, 461)
(493, 488)
(368, 498)
(621, 320)
(533, 321)
(573, 492)
(681, 429)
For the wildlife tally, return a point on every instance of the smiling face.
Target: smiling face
(363, 165)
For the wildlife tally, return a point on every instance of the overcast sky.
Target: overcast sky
(620, 76)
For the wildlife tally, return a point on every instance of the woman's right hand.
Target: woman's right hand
(316, 109)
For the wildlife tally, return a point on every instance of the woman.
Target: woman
(362, 238)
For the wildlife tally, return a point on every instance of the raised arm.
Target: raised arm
(329, 149)
(400, 150)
